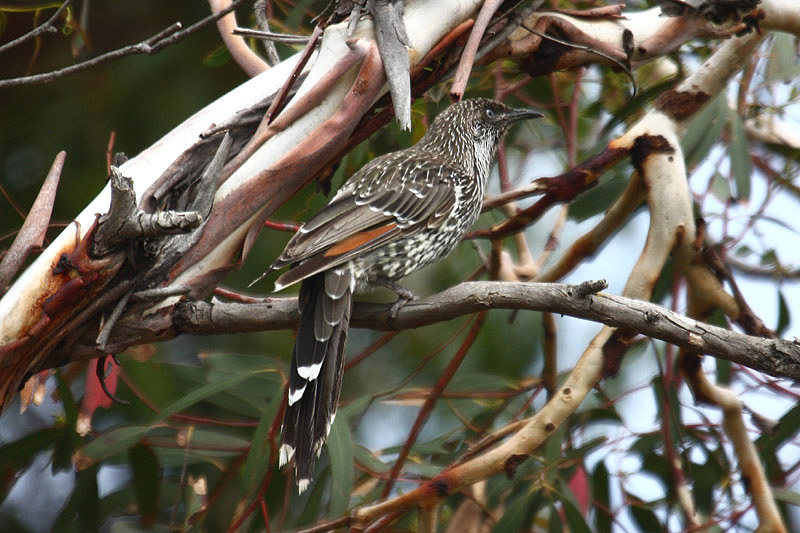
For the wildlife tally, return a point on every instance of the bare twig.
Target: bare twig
(430, 401)
(156, 43)
(269, 36)
(111, 320)
(624, 66)
(47, 27)
(262, 20)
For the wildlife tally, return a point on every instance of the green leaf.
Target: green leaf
(258, 458)
(551, 449)
(782, 64)
(310, 501)
(600, 415)
(720, 187)
(146, 477)
(724, 371)
(155, 381)
(480, 382)
(707, 476)
(82, 504)
(788, 426)
(785, 495)
(69, 439)
(20, 453)
(600, 197)
(118, 440)
(340, 452)
(601, 497)
(369, 460)
(769, 258)
(645, 519)
(647, 443)
(659, 467)
(68, 401)
(575, 520)
(739, 154)
(784, 315)
(554, 523)
(297, 14)
(517, 515)
(705, 130)
(17, 455)
(584, 449)
(217, 57)
(194, 503)
(116, 502)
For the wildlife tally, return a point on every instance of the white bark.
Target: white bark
(427, 21)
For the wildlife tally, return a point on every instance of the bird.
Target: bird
(401, 211)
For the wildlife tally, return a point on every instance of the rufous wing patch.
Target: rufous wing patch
(359, 239)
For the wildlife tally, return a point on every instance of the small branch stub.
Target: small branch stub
(124, 223)
(590, 287)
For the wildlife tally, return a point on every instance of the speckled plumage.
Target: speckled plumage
(400, 212)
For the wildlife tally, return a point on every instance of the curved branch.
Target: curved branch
(246, 58)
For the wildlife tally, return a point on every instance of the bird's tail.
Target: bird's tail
(325, 303)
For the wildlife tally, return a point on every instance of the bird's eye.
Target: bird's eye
(489, 113)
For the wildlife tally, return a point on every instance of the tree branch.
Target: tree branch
(776, 357)
(149, 46)
(47, 27)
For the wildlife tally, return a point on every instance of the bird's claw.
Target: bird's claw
(401, 302)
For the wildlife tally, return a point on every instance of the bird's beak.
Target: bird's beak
(522, 114)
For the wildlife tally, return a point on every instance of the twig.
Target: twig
(262, 20)
(157, 42)
(113, 318)
(327, 526)
(280, 99)
(47, 27)
(159, 293)
(430, 401)
(270, 36)
(589, 50)
(471, 48)
(513, 23)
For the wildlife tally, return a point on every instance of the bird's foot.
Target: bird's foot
(403, 297)
(402, 300)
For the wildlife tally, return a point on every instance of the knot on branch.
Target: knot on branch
(590, 287)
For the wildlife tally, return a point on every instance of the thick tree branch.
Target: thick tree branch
(776, 357)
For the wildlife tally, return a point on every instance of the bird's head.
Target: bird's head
(475, 121)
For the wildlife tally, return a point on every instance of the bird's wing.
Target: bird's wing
(398, 200)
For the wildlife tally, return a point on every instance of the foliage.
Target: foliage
(196, 447)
